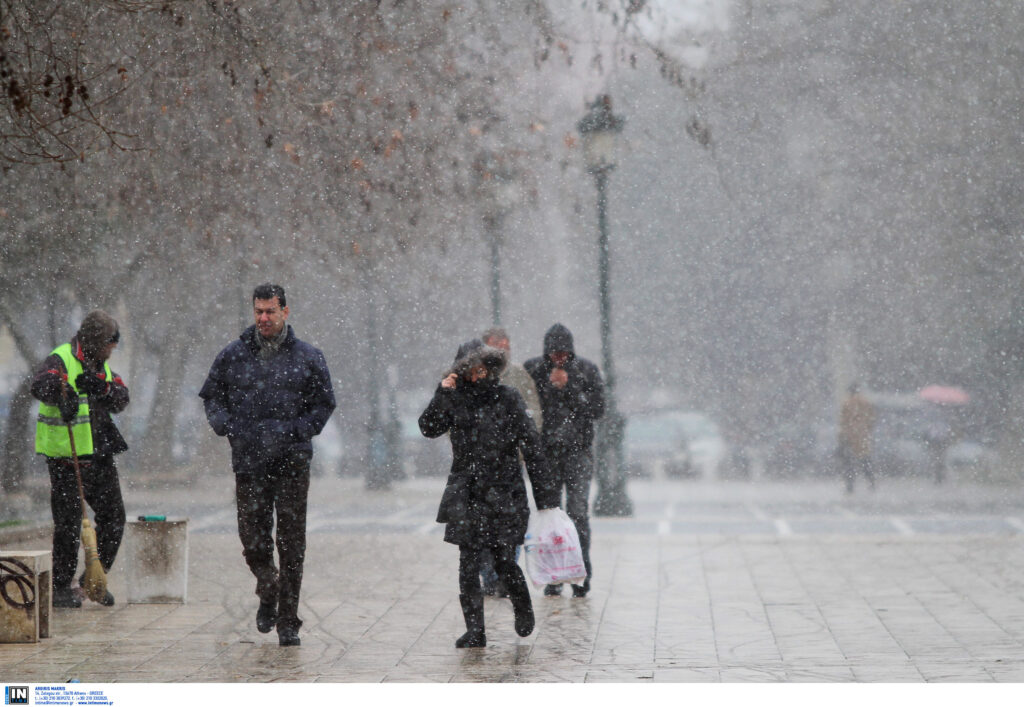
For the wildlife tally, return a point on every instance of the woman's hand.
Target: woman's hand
(449, 381)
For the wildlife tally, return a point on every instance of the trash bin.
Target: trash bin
(156, 561)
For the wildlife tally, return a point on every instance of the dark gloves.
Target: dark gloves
(68, 404)
(90, 384)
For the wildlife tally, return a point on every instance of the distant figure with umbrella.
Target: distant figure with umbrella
(937, 431)
(856, 424)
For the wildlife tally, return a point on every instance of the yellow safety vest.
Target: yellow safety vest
(51, 431)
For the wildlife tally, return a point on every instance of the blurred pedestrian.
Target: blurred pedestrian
(938, 435)
(484, 505)
(572, 398)
(856, 425)
(270, 394)
(76, 387)
(514, 376)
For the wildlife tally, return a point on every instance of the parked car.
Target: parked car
(672, 443)
(971, 457)
(655, 445)
(422, 456)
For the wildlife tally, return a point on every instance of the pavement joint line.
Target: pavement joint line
(901, 525)
(782, 527)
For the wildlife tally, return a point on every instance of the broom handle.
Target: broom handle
(78, 471)
(74, 458)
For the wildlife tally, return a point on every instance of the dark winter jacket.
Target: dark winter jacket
(47, 387)
(267, 408)
(484, 501)
(569, 412)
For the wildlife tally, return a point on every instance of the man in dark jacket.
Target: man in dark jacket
(270, 394)
(571, 398)
(78, 392)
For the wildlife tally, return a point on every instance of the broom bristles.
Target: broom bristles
(95, 580)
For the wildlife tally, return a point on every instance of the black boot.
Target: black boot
(519, 593)
(473, 613)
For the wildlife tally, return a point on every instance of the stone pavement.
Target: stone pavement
(382, 606)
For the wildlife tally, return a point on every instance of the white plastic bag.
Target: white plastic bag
(552, 546)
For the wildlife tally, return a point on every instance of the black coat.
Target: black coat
(569, 413)
(484, 502)
(267, 408)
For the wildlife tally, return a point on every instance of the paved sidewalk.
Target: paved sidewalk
(383, 606)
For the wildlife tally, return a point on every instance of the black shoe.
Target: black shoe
(519, 593)
(553, 590)
(473, 613)
(108, 599)
(66, 598)
(471, 639)
(266, 617)
(579, 591)
(288, 637)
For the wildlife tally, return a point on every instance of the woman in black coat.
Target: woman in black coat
(484, 503)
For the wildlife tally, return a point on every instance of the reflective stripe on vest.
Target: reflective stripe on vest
(51, 431)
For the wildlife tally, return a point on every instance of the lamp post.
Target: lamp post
(499, 190)
(599, 129)
(377, 477)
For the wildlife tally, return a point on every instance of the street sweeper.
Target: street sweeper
(78, 392)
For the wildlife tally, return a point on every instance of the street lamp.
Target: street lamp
(600, 129)
(500, 193)
(377, 477)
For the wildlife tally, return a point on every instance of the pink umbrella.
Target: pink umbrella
(944, 395)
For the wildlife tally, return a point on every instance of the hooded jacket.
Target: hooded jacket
(569, 412)
(267, 408)
(484, 502)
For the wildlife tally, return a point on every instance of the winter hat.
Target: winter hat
(474, 353)
(97, 330)
(558, 338)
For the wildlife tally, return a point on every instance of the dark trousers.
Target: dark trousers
(504, 564)
(853, 464)
(573, 470)
(102, 489)
(279, 485)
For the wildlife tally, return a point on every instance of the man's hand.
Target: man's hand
(68, 404)
(90, 384)
(449, 381)
(559, 378)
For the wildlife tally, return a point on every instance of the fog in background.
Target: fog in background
(807, 194)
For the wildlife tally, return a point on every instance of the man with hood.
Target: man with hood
(78, 392)
(571, 395)
(484, 505)
(270, 394)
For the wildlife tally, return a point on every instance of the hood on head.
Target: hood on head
(558, 338)
(97, 330)
(473, 353)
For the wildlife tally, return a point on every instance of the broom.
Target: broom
(95, 581)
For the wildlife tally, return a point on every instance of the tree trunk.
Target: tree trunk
(17, 442)
(156, 454)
